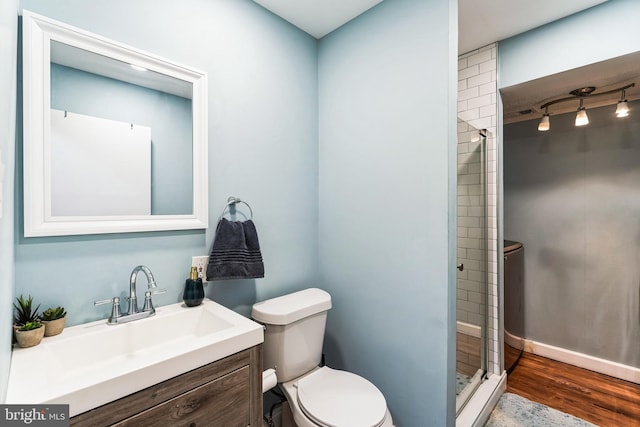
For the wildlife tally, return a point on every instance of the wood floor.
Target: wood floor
(599, 399)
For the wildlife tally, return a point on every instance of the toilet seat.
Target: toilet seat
(334, 398)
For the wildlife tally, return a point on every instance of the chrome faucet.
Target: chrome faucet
(151, 284)
(133, 312)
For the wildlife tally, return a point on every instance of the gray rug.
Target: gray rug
(516, 411)
(462, 381)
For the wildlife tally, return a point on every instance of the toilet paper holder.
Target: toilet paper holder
(269, 379)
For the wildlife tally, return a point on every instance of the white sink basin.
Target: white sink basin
(92, 364)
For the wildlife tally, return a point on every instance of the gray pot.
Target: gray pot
(29, 338)
(54, 327)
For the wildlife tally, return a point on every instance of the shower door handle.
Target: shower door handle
(460, 267)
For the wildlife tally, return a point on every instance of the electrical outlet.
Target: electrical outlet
(200, 263)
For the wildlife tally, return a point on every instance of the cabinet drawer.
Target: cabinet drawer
(222, 402)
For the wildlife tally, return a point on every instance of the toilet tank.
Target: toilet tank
(295, 331)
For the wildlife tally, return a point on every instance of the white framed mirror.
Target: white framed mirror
(115, 138)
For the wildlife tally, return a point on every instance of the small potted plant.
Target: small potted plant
(54, 320)
(28, 329)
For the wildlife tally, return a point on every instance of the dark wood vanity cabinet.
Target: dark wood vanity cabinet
(225, 393)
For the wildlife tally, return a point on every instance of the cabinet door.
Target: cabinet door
(222, 402)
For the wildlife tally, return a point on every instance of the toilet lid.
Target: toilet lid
(336, 398)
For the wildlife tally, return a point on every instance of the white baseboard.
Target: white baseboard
(468, 329)
(513, 341)
(607, 367)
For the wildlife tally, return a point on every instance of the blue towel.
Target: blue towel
(235, 253)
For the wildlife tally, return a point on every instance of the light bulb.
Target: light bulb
(622, 110)
(544, 123)
(581, 118)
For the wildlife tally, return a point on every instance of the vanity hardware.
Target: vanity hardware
(115, 309)
(133, 312)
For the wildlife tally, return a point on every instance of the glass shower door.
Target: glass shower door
(471, 299)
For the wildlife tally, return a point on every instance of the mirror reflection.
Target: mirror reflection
(121, 137)
(114, 138)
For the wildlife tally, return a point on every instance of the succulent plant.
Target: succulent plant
(53, 313)
(30, 326)
(24, 311)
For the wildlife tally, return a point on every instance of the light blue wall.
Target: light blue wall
(8, 35)
(387, 81)
(169, 117)
(599, 33)
(571, 195)
(262, 147)
(382, 228)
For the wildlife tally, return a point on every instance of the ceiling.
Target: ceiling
(318, 17)
(480, 22)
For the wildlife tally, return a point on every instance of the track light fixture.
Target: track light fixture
(622, 108)
(581, 117)
(544, 122)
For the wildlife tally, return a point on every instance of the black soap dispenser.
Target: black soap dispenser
(193, 289)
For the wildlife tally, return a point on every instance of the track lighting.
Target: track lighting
(544, 122)
(622, 108)
(581, 117)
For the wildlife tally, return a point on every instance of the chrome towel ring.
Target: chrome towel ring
(232, 201)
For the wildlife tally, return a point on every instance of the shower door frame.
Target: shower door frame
(481, 374)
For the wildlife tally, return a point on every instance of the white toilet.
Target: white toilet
(318, 396)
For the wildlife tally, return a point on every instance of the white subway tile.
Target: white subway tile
(479, 57)
(475, 297)
(468, 72)
(470, 115)
(480, 101)
(480, 79)
(469, 93)
(487, 88)
(468, 54)
(474, 167)
(475, 211)
(488, 110)
(487, 66)
(468, 222)
(470, 308)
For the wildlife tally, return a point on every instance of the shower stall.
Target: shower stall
(472, 262)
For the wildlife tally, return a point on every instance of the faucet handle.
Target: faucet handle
(115, 308)
(148, 304)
